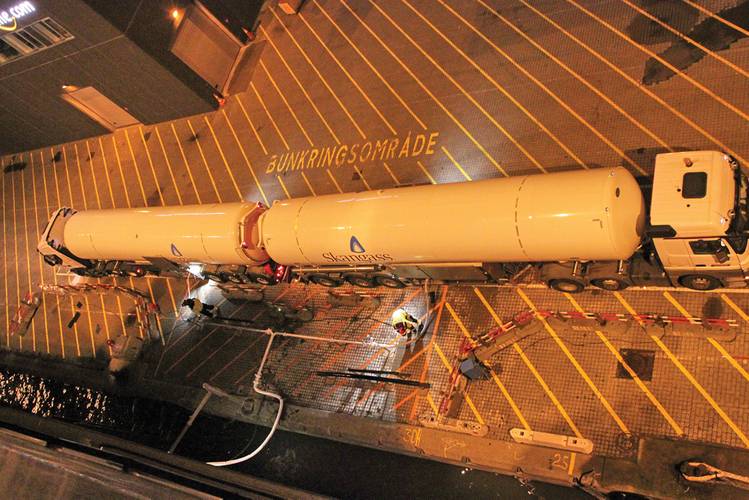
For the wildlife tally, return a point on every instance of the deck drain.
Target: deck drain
(640, 361)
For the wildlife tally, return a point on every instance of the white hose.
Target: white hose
(258, 376)
(256, 387)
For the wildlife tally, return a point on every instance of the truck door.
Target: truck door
(713, 254)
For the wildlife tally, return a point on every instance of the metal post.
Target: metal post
(209, 391)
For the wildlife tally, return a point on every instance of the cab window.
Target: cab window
(694, 185)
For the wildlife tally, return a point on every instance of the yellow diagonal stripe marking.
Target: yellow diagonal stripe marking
(666, 415)
(689, 376)
(575, 363)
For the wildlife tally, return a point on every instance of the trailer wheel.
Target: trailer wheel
(53, 260)
(610, 284)
(324, 280)
(567, 285)
(260, 279)
(389, 281)
(700, 282)
(358, 279)
(217, 277)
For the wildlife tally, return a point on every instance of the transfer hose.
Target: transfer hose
(256, 387)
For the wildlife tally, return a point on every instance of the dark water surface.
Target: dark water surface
(314, 464)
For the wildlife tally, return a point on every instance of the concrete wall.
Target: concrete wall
(123, 52)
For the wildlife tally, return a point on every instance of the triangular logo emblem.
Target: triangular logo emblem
(355, 246)
(176, 252)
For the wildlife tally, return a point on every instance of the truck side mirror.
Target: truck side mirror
(721, 254)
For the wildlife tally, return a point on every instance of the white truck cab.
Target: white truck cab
(698, 219)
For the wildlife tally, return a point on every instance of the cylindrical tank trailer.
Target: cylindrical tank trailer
(571, 224)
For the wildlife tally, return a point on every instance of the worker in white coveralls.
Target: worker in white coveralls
(404, 323)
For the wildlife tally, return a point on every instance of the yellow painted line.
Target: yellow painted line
(663, 61)
(205, 162)
(504, 91)
(309, 186)
(496, 379)
(702, 391)
(538, 83)
(462, 327)
(666, 415)
(91, 167)
(106, 171)
(368, 63)
(392, 175)
(5, 265)
(28, 250)
(15, 246)
(91, 326)
(246, 158)
(733, 306)
(428, 92)
(252, 125)
(67, 176)
(319, 75)
(135, 167)
(283, 186)
(532, 368)
(186, 163)
(363, 179)
(576, 364)
(571, 468)
(330, 174)
(729, 358)
(465, 394)
(286, 102)
(716, 17)
(689, 376)
(678, 306)
(301, 87)
(168, 164)
(712, 341)
(592, 88)
(468, 96)
(457, 165)
(547, 390)
(434, 406)
(114, 205)
(351, 78)
(122, 175)
(150, 163)
(80, 177)
(38, 237)
(431, 179)
(637, 84)
(272, 121)
(688, 39)
(223, 157)
(46, 204)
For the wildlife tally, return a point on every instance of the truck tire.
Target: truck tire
(324, 280)
(359, 279)
(610, 284)
(567, 285)
(700, 282)
(389, 281)
(53, 260)
(260, 279)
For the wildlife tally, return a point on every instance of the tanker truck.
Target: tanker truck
(574, 229)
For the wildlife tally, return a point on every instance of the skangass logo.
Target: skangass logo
(358, 254)
(355, 246)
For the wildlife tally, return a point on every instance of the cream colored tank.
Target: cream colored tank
(210, 234)
(579, 215)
